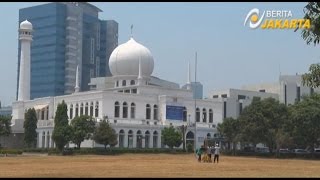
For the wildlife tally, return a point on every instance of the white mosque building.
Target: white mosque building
(137, 104)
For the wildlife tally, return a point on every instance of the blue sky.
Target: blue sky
(229, 54)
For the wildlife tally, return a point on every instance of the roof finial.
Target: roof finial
(131, 30)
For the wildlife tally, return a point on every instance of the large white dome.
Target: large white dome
(26, 25)
(124, 60)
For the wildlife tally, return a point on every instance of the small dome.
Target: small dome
(26, 25)
(124, 60)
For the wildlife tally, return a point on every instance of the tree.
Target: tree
(104, 134)
(30, 126)
(304, 116)
(183, 129)
(230, 129)
(312, 13)
(82, 128)
(62, 132)
(312, 79)
(171, 137)
(5, 128)
(262, 120)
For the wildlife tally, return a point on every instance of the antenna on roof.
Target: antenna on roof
(131, 29)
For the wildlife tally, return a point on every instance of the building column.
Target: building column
(118, 140)
(125, 144)
(143, 142)
(134, 144)
(40, 139)
(159, 140)
(45, 140)
(151, 140)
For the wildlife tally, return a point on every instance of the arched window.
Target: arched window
(198, 115)
(123, 82)
(116, 109)
(81, 109)
(124, 110)
(132, 82)
(77, 110)
(208, 136)
(121, 138)
(91, 109)
(96, 112)
(204, 115)
(184, 114)
(155, 112)
(155, 139)
(190, 139)
(147, 139)
(130, 139)
(139, 139)
(210, 116)
(71, 112)
(86, 109)
(133, 111)
(148, 111)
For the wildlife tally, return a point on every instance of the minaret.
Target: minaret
(77, 88)
(139, 76)
(25, 38)
(189, 77)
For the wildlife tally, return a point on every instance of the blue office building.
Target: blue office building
(67, 35)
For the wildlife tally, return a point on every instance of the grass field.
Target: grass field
(154, 165)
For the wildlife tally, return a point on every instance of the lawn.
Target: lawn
(154, 165)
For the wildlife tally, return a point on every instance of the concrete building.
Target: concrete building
(67, 35)
(136, 103)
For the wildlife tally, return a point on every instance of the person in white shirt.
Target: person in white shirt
(216, 153)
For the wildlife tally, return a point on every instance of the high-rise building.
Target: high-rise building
(197, 89)
(67, 35)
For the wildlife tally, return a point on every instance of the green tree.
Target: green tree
(171, 137)
(262, 121)
(82, 128)
(312, 12)
(5, 128)
(104, 134)
(230, 129)
(62, 131)
(30, 126)
(304, 116)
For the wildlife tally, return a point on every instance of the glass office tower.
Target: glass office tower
(67, 34)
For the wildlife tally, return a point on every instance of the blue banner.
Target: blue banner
(174, 112)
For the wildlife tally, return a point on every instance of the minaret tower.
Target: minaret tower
(77, 88)
(189, 77)
(25, 38)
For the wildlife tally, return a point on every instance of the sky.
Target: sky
(229, 54)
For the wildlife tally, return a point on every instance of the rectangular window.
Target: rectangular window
(241, 97)
(92, 51)
(240, 108)
(215, 96)
(262, 90)
(224, 95)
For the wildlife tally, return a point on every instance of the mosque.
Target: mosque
(137, 104)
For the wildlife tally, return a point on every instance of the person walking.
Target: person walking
(216, 153)
(199, 153)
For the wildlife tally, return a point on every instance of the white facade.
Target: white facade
(136, 105)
